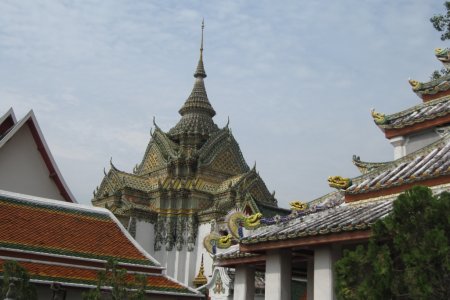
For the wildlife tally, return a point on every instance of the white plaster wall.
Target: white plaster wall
(22, 168)
(145, 235)
(418, 141)
(203, 231)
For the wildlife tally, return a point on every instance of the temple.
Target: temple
(305, 244)
(189, 179)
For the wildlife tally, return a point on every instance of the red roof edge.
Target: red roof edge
(54, 173)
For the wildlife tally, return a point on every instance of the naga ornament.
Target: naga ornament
(238, 220)
(416, 85)
(339, 182)
(379, 118)
(298, 205)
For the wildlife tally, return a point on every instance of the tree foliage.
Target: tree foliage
(15, 273)
(408, 256)
(442, 22)
(114, 283)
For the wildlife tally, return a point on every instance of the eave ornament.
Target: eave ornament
(298, 206)
(378, 118)
(238, 220)
(339, 182)
(416, 85)
(213, 241)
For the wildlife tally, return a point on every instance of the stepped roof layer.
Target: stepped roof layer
(428, 111)
(343, 218)
(69, 243)
(432, 89)
(429, 166)
(85, 277)
(44, 226)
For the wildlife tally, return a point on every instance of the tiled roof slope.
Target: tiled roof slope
(342, 218)
(431, 89)
(85, 276)
(69, 243)
(418, 114)
(52, 227)
(427, 163)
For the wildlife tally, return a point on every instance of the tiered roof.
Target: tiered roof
(348, 213)
(427, 166)
(434, 111)
(194, 160)
(69, 243)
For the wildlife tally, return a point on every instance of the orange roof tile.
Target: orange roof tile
(66, 229)
(88, 276)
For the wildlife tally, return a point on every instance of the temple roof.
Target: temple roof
(343, 218)
(69, 244)
(417, 114)
(427, 163)
(84, 277)
(431, 89)
(54, 227)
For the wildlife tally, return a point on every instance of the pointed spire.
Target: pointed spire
(200, 71)
(196, 112)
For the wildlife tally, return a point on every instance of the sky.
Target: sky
(296, 78)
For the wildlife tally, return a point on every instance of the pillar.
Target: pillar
(323, 273)
(399, 146)
(278, 275)
(244, 283)
(310, 279)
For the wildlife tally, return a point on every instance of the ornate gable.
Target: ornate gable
(221, 153)
(159, 150)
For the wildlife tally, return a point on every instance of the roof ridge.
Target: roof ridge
(405, 159)
(414, 108)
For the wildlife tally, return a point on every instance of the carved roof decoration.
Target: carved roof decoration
(366, 167)
(443, 55)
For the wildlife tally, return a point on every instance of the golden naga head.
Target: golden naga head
(339, 182)
(298, 205)
(378, 117)
(415, 84)
(439, 51)
(443, 54)
(225, 241)
(253, 219)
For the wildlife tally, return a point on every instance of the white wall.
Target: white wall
(22, 168)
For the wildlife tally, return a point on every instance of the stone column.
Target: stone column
(278, 275)
(399, 146)
(310, 278)
(323, 273)
(244, 283)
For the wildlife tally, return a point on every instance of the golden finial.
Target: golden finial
(200, 279)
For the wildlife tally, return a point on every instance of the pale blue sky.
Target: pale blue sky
(296, 78)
